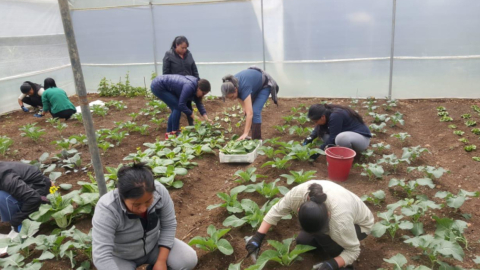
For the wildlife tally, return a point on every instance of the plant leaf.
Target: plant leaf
(224, 247)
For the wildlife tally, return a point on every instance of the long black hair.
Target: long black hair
(313, 214)
(316, 111)
(135, 180)
(178, 41)
(49, 83)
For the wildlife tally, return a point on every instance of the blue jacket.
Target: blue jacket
(337, 122)
(249, 83)
(183, 87)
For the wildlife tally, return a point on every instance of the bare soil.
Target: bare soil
(210, 177)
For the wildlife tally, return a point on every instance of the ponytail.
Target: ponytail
(316, 111)
(313, 214)
(230, 84)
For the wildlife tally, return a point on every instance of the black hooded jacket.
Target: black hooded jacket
(35, 86)
(174, 64)
(26, 184)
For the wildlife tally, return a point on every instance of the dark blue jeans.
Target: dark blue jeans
(258, 100)
(172, 102)
(9, 206)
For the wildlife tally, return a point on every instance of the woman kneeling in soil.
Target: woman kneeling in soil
(333, 220)
(56, 101)
(135, 224)
(177, 91)
(251, 87)
(338, 125)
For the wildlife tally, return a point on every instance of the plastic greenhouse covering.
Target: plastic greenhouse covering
(328, 48)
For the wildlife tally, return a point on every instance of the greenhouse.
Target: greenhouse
(239, 134)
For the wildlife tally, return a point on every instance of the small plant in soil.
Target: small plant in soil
(31, 131)
(379, 118)
(247, 176)
(451, 230)
(368, 153)
(378, 128)
(129, 125)
(441, 109)
(230, 201)
(288, 119)
(470, 148)
(61, 126)
(381, 146)
(452, 126)
(397, 118)
(53, 121)
(376, 198)
(74, 163)
(134, 115)
(392, 160)
(168, 175)
(268, 190)
(399, 261)
(78, 117)
(253, 214)
(100, 110)
(213, 242)
(234, 147)
(412, 153)
(456, 201)
(280, 254)
(105, 146)
(389, 104)
(299, 131)
(299, 176)
(117, 135)
(470, 123)
(476, 131)
(64, 143)
(143, 129)
(410, 187)
(279, 163)
(466, 116)
(300, 152)
(5, 144)
(390, 223)
(458, 132)
(282, 129)
(429, 171)
(444, 113)
(268, 151)
(432, 247)
(119, 105)
(476, 159)
(157, 122)
(415, 209)
(446, 119)
(463, 140)
(371, 170)
(402, 136)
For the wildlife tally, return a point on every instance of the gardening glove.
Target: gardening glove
(308, 140)
(38, 115)
(326, 265)
(253, 245)
(24, 109)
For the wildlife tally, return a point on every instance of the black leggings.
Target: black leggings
(324, 243)
(64, 114)
(33, 101)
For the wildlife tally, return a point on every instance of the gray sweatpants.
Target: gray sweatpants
(181, 257)
(351, 140)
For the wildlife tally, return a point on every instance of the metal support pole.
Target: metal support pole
(392, 51)
(154, 40)
(263, 38)
(82, 95)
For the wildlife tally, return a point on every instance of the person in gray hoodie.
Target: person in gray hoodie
(135, 224)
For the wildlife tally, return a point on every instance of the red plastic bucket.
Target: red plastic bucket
(339, 162)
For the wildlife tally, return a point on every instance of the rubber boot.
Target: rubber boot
(166, 135)
(257, 131)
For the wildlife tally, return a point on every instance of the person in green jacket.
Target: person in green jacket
(56, 101)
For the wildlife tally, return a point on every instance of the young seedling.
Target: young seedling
(379, 118)
(463, 140)
(53, 121)
(74, 163)
(391, 223)
(299, 176)
(143, 129)
(280, 254)
(446, 119)
(397, 118)
(169, 173)
(134, 115)
(117, 135)
(410, 188)
(282, 129)
(105, 146)
(32, 132)
(253, 214)
(368, 153)
(279, 163)
(300, 131)
(288, 119)
(378, 128)
(470, 123)
(399, 261)
(441, 109)
(389, 104)
(429, 171)
(470, 148)
(452, 126)
(466, 116)
(444, 113)
(456, 201)
(476, 131)
(301, 152)
(371, 170)
(247, 176)
(458, 132)
(392, 160)
(64, 143)
(157, 122)
(234, 147)
(301, 119)
(268, 151)
(230, 201)
(476, 159)
(268, 190)
(213, 242)
(381, 146)
(5, 143)
(432, 247)
(376, 198)
(412, 153)
(78, 117)
(402, 136)
(415, 209)
(100, 110)
(81, 139)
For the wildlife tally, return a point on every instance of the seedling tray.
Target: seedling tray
(246, 158)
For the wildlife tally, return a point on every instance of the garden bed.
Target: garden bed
(203, 182)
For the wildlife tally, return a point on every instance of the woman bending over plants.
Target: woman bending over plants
(135, 224)
(333, 220)
(338, 125)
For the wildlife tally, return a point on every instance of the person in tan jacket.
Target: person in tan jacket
(333, 220)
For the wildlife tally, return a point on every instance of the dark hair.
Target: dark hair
(135, 180)
(178, 41)
(313, 214)
(25, 88)
(316, 111)
(49, 83)
(204, 85)
(230, 83)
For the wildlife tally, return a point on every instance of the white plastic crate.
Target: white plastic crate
(246, 158)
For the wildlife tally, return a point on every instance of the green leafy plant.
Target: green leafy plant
(379, 118)
(281, 254)
(444, 113)
(253, 214)
(268, 151)
(157, 122)
(5, 143)
(73, 163)
(143, 129)
(105, 146)
(99, 110)
(476, 131)
(452, 126)
(399, 261)
(239, 147)
(20, 245)
(279, 163)
(470, 123)
(451, 230)
(432, 247)
(381, 146)
(298, 176)
(78, 117)
(61, 126)
(213, 242)
(378, 128)
(81, 139)
(429, 171)
(247, 176)
(169, 173)
(476, 159)
(446, 119)
(456, 201)
(371, 170)
(470, 148)
(53, 121)
(288, 119)
(230, 201)
(402, 136)
(412, 153)
(391, 223)
(268, 190)
(466, 116)
(441, 109)
(134, 115)
(410, 187)
(32, 132)
(463, 140)
(117, 135)
(458, 132)
(389, 103)
(119, 105)
(391, 160)
(65, 143)
(300, 152)
(415, 209)
(397, 118)
(376, 198)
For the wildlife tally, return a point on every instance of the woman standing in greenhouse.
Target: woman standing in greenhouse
(179, 60)
(31, 95)
(338, 125)
(333, 219)
(56, 101)
(252, 88)
(135, 224)
(176, 91)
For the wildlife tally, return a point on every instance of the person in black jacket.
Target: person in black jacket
(179, 60)
(23, 188)
(338, 125)
(31, 95)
